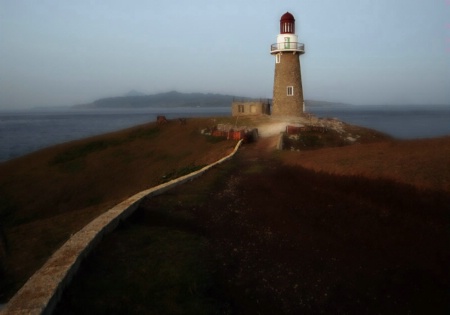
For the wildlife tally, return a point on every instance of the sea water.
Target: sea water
(398, 121)
(22, 132)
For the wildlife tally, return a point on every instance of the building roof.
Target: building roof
(287, 17)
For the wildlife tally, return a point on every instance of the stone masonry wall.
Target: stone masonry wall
(250, 108)
(287, 73)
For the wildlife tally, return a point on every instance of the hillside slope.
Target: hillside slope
(423, 163)
(258, 236)
(48, 195)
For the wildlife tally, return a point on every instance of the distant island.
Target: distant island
(169, 99)
(134, 99)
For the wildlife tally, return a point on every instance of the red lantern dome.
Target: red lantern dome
(287, 24)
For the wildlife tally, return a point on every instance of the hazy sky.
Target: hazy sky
(62, 52)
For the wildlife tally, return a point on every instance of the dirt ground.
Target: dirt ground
(278, 239)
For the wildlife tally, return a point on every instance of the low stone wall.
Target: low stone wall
(43, 290)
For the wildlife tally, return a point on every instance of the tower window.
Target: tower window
(240, 108)
(278, 58)
(290, 90)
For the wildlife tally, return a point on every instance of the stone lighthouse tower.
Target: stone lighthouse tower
(287, 87)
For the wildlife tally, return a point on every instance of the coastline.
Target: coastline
(23, 132)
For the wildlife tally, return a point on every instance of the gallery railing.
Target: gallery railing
(289, 46)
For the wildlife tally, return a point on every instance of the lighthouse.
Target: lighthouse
(287, 86)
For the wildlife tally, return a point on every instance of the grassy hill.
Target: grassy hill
(423, 163)
(259, 235)
(48, 195)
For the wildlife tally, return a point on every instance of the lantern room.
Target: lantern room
(287, 24)
(287, 40)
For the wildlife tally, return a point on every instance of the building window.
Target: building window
(240, 108)
(290, 90)
(278, 58)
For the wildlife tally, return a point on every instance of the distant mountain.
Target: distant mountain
(135, 99)
(134, 93)
(169, 99)
(312, 103)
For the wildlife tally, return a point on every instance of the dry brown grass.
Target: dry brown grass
(256, 236)
(423, 163)
(49, 195)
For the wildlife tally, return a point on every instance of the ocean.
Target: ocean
(398, 121)
(22, 132)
